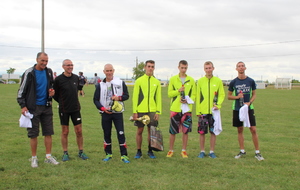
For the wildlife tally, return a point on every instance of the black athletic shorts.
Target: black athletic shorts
(236, 120)
(65, 117)
(80, 87)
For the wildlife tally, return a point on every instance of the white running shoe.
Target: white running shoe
(240, 155)
(51, 160)
(259, 157)
(34, 162)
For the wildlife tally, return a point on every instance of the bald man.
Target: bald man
(108, 98)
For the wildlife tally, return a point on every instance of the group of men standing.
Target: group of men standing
(38, 87)
(209, 95)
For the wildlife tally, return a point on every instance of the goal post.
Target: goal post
(283, 83)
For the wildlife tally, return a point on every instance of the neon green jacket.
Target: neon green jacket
(206, 89)
(147, 95)
(190, 90)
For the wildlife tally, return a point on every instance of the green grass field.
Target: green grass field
(277, 114)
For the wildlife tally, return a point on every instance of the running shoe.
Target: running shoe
(108, 157)
(34, 162)
(125, 159)
(201, 155)
(138, 155)
(184, 154)
(212, 155)
(65, 157)
(240, 155)
(151, 155)
(51, 160)
(83, 156)
(259, 157)
(170, 154)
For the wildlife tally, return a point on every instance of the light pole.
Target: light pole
(43, 29)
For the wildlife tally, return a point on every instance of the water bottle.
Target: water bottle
(49, 101)
(242, 99)
(216, 98)
(182, 94)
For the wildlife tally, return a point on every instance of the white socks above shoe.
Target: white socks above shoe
(211, 151)
(48, 155)
(256, 152)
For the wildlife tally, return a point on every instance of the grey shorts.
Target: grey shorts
(42, 115)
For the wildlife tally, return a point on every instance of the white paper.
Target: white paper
(25, 121)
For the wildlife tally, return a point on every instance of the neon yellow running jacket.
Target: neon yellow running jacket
(206, 89)
(147, 95)
(190, 90)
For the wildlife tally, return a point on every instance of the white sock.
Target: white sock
(211, 151)
(257, 152)
(242, 151)
(48, 155)
(203, 151)
(34, 156)
(183, 150)
(171, 150)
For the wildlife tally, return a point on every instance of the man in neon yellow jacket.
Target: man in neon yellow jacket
(181, 88)
(146, 100)
(210, 95)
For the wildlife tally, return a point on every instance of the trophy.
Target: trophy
(145, 119)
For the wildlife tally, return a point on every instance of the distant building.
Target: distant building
(10, 76)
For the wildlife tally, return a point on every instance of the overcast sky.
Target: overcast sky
(265, 34)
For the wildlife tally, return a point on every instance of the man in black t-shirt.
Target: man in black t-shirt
(66, 87)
